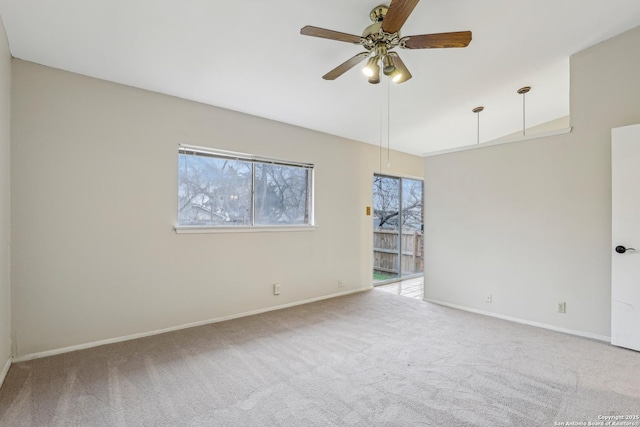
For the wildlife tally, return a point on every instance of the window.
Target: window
(225, 189)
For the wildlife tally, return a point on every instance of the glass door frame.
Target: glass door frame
(400, 249)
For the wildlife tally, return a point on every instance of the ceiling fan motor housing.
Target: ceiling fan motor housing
(373, 35)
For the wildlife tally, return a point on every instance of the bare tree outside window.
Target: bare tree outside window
(412, 204)
(386, 203)
(281, 194)
(220, 191)
(213, 191)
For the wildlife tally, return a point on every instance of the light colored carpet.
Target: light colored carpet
(362, 360)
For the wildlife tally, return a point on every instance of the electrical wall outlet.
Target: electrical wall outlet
(562, 307)
(488, 298)
(276, 289)
(341, 284)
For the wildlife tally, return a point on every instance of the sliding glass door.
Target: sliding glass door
(397, 228)
(386, 228)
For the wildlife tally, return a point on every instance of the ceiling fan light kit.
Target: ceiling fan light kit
(381, 37)
(375, 76)
(389, 66)
(370, 69)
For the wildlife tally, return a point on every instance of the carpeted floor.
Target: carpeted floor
(362, 360)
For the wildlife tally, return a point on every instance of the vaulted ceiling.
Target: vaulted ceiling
(249, 56)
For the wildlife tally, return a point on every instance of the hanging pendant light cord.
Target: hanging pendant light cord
(477, 112)
(523, 115)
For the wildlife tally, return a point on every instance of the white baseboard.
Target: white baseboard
(176, 328)
(524, 322)
(4, 372)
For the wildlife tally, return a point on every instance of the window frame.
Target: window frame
(184, 149)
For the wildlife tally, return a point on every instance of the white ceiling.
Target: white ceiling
(248, 56)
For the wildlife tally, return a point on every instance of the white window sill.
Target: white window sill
(234, 229)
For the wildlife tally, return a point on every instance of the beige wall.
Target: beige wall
(94, 201)
(5, 199)
(530, 221)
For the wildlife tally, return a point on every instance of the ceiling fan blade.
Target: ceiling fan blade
(404, 71)
(399, 11)
(345, 66)
(329, 34)
(441, 40)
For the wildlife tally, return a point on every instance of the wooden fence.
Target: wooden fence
(385, 251)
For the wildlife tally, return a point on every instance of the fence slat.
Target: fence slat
(385, 251)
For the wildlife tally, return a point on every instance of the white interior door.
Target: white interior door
(625, 227)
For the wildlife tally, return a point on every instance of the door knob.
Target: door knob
(622, 249)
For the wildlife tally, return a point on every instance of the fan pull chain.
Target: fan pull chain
(388, 125)
(381, 118)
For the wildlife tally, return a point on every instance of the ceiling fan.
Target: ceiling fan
(381, 37)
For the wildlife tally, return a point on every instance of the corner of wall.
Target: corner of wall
(5, 204)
